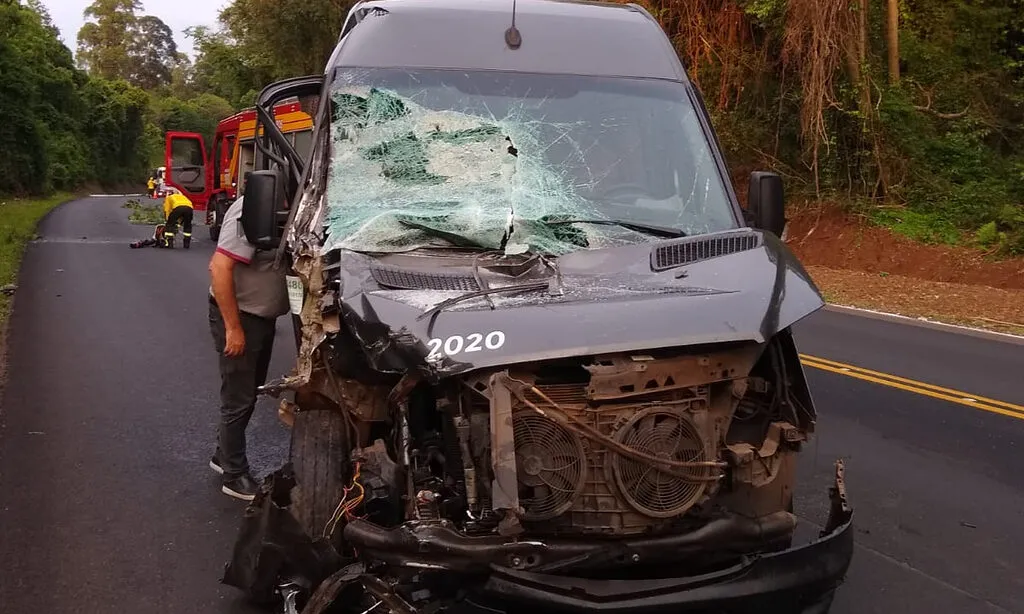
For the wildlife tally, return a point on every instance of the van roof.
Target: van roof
(558, 37)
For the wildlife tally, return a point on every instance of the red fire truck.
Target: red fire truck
(211, 181)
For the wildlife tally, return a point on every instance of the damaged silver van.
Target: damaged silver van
(545, 359)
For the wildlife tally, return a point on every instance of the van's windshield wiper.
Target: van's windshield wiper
(661, 231)
(530, 287)
(454, 238)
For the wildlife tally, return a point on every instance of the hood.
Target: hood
(739, 286)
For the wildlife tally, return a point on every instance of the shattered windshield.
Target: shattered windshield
(515, 162)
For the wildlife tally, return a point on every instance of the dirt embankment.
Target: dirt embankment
(860, 264)
(840, 241)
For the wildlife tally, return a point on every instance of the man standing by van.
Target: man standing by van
(247, 295)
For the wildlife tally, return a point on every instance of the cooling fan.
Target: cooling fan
(551, 464)
(665, 434)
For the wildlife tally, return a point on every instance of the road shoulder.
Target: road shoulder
(19, 219)
(964, 305)
(924, 322)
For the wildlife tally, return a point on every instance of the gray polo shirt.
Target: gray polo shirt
(260, 289)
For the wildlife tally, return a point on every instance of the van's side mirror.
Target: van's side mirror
(766, 202)
(261, 208)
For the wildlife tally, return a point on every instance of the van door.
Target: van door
(188, 167)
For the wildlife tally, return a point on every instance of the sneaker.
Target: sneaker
(215, 465)
(242, 487)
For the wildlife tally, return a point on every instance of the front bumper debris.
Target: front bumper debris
(271, 546)
(798, 580)
(439, 547)
(272, 549)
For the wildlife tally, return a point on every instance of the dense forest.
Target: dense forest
(910, 112)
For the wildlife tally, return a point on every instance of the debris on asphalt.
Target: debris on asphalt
(142, 214)
(9, 289)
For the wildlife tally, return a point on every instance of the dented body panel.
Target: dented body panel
(609, 301)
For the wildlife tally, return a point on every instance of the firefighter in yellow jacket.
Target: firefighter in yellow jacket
(177, 209)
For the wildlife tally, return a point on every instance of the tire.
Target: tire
(320, 461)
(219, 208)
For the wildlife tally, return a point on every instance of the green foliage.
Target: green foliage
(142, 214)
(989, 235)
(285, 38)
(945, 144)
(1010, 223)
(115, 128)
(103, 39)
(953, 127)
(199, 114)
(260, 42)
(766, 12)
(1005, 233)
(222, 68)
(924, 227)
(117, 43)
(153, 52)
(62, 128)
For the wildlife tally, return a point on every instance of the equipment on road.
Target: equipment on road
(155, 241)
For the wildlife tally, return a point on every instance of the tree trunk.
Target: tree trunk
(893, 40)
(862, 27)
(857, 57)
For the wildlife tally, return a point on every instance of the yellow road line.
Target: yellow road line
(922, 388)
(914, 383)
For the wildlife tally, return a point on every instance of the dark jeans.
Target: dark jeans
(239, 378)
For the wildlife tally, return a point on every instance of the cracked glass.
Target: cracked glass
(499, 161)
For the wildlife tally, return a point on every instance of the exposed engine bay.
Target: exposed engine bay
(648, 464)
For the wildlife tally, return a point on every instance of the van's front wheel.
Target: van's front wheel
(320, 462)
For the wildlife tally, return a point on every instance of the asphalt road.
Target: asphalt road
(107, 505)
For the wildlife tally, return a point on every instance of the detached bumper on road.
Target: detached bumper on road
(797, 580)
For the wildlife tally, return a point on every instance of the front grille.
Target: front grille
(405, 279)
(694, 249)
